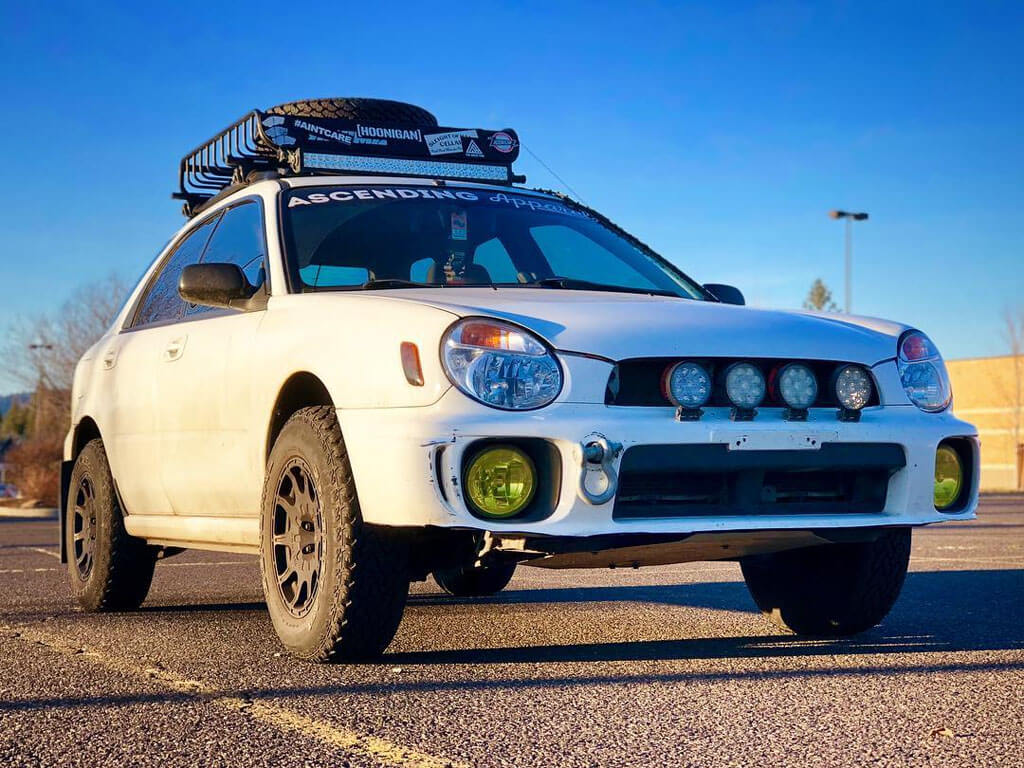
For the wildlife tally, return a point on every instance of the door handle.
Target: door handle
(109, 358)
(174, 348)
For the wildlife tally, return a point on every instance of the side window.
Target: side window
(572, 254)
(162, 302)
(239, 240)
(492, 256)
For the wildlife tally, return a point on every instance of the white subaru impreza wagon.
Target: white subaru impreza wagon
(372, 355)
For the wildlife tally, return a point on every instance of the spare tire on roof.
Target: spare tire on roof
(371, 110)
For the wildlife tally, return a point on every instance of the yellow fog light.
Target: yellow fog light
(500, 481)
(949, 476)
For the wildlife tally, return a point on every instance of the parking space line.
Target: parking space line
(973, 560)
(357, 744)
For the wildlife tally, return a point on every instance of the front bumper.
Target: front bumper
(407, 463)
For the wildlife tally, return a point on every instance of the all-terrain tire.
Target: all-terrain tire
(109, 570)
(832, 589)
(378, 110)
(359, 596)
(475, 582)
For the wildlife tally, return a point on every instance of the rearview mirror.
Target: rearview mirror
(726, 294)
(215, 285)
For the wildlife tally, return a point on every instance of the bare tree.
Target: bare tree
(1014, 333)
(819, 298)
(41, 352)
(46, 347)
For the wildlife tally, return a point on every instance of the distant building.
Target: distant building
(989, 392)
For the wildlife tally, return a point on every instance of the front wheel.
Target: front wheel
(832, 589)
(475, 582)
(109, 570)
(335, 586)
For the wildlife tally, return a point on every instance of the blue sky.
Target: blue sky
(719, 133)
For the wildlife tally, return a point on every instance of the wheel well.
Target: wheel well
(85, 431)
(302, 390)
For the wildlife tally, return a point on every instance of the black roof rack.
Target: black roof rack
(288, 145)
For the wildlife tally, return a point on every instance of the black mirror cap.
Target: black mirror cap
(214, 285)
(726, 294)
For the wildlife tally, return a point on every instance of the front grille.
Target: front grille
(638, 381)
(696, 480)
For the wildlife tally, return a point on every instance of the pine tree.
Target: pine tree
(17, 421)
(819, 298)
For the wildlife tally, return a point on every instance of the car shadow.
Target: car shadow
(939, 614)
(938, 611)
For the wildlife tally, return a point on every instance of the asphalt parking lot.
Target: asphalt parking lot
(662, 666)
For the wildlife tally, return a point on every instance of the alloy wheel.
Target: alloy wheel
(298, 539)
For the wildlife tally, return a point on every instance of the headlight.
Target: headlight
(798, 387)
(923, 373)
(853, 387)
(687, 384)
(500, 364)
(744, 385)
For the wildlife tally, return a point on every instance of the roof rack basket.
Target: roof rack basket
(287, 145)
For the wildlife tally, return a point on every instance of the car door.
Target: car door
(131, 361)
(211, 452)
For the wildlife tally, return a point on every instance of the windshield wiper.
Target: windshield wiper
(574, 284)
(391, 282)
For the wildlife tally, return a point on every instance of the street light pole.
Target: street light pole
(40, 385)
(848, 251)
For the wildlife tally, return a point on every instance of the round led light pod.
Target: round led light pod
(687, 384)
(744, 385)
(798, 387)
(853, 387)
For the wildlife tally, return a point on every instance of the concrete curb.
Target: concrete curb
(36, 513)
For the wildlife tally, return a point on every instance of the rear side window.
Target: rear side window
(162, 302)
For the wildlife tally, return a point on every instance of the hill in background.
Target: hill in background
(6, 400)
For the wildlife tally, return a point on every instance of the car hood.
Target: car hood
(620, 325)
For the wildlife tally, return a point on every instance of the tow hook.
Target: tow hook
(598, 469)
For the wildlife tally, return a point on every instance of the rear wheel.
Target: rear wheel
(109, 570)
(475, 582)
(335, 586)
(833, 589)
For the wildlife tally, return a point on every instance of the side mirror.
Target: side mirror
(726, 294)
(215, 285)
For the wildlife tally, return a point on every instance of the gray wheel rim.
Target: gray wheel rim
(83, 528)
(298, 540)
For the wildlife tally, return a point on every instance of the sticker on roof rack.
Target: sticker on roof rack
(397, 141)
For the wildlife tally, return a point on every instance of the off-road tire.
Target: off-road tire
(375, 110)
(121, 569)
(832, 589)
(475, 582)
(363, 582)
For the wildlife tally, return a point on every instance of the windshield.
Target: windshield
(365, 237)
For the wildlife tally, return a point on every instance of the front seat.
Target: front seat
(475, 274)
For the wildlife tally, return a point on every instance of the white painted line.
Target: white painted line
(361, 745)
(974, 560)
(45, 551)
(219, 562)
